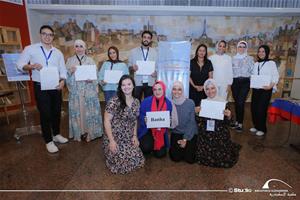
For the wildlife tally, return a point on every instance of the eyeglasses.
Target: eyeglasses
(77, 46)
(47, 34)
(242, 47)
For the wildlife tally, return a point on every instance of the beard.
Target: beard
(146, 43)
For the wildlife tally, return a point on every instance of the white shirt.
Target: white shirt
(34, 54)
(222, 65)
(269, 68)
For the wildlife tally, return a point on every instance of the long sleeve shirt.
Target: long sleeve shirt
(33, 54)
(222, 65)
(267, 68)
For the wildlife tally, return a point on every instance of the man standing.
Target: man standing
(143, 83)
(34, 58)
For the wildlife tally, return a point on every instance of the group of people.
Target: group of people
(234, 73)
(127, 139)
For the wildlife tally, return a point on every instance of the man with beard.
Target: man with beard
(144, 52)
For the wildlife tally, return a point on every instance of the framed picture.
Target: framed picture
(19, 2)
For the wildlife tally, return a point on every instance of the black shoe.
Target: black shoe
(239, 129)
(233, 124)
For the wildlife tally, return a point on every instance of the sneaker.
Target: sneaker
(60, 139)
(239, 128)
(51, 147)
(233, 124)
(253, 130)
(260, 133)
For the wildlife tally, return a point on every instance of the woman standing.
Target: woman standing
(184, 134)
(261, 97)
(222, 69)
(155, 139)
(242, 68)
(85, 119)
(214, 146)
(113, 63)
(201, 69)
(121, 145)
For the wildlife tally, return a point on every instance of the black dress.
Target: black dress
(215, 148)
(199, 76)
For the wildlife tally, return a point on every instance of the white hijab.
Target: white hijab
(80, 42)
(209, 82)
(241, 56)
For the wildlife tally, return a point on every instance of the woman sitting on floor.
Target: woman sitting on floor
(214, 146)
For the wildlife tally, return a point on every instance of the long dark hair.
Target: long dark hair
(120, 93)
(267, 51)
(196, 52)
(117, 52)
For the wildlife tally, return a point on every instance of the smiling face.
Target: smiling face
(46, 36)
(176, 91)
(112, 54)
(241, 48)
(261, 53)
(211, 91)
(158, 91)
(221, 48)
(127, 86)
(79, 49)
(146, 39)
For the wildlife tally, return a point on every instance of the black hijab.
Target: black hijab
(267, 51)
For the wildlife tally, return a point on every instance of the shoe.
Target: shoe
(60, 139)
(253, 130)
(51, 147)
(233, 124)
(259, 133)
(239, 128)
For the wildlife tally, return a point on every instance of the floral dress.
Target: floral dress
(84, 107)
(215, 148)
(127, 158)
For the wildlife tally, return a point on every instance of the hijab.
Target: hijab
(241, 56)
(217, 47)
(209, 82)
(267, 51)
(80, 42)
(159, 104)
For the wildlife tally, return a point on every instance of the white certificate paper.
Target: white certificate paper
(112, 76)
(212, 109)
(85, 72)
(145, 67)
(49, 78)
(159, 119)
(259, 81)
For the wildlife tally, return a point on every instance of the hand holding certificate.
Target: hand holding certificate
(49, 78)
(145, 67)
(160, 119)
(212, 109)
(259, 81)
(85, 72)
(112, 76)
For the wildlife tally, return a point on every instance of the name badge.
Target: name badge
(210, 125)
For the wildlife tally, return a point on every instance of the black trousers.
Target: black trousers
(240, 89)
(177, 153)
(259, 106)
(147, 146)
(139, 90)
(49, 106)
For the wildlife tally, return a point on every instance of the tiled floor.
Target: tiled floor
(80, 166)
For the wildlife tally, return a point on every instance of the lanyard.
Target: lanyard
(46, 57)
(145, 56)
(79, 59)
(259, 68)
(162, 105)
(111, 65)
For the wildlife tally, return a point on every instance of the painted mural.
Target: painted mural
(102, 31)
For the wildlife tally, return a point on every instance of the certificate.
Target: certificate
(159, 119)
(112, 76)
(212, 109)
(85, 72)
(259, 81)
(145, 67)
(49, 78)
